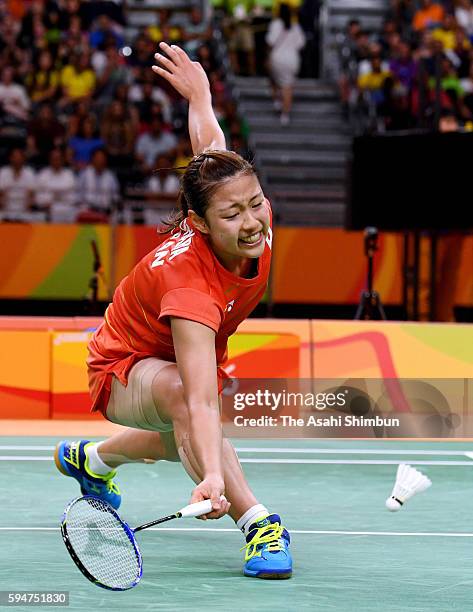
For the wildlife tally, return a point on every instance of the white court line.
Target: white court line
(287, 461)
(355, 461)
(24, 458)
(306, 451)
(347, 451)
(28, 448)
(425, 534)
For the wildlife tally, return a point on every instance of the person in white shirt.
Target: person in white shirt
(17, 183)
(98, 189)
(464, 15)
(286, 40)
(56, 190)
(14, 100)
(164, 180)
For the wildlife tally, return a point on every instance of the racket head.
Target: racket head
(91, 527)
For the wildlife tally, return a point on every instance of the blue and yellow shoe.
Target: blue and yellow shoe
(267, 550)
(71, 460)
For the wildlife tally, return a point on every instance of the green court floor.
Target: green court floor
(349, 552)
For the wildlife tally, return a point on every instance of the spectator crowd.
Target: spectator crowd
(416, 72)
(83, 119)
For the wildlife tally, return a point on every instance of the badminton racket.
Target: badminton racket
(103, 546)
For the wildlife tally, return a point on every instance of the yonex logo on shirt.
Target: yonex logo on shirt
(229, 306)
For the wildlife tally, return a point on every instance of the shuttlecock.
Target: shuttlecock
(409, 481)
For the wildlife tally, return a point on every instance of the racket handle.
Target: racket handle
(197, 509)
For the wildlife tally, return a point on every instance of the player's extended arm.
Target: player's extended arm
(194, 345)
(190, 80)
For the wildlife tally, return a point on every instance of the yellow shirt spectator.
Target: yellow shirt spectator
(373, 80)
(157, 34)
(446, 37)
(41, 82)
(77, 84)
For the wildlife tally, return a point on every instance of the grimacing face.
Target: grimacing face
(236, 220)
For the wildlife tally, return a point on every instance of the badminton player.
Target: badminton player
(154, 363)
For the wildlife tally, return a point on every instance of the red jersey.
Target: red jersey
(182, 277)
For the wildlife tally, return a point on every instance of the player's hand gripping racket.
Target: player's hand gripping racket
(104, 547)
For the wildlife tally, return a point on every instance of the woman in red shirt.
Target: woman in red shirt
(154, 363)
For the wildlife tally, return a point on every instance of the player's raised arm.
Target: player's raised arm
(190, 80)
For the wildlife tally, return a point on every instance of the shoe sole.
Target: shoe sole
(274, 576)
(57, 461)
(270, 575)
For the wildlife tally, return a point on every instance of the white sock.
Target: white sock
(255, 513)
(96, 465)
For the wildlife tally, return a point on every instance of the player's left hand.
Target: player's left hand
(186, 76)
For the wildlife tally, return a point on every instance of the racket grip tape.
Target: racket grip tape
(197, 509)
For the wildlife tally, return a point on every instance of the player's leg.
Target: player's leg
(136, 445)
(267, 554)
(92, 464)
(154, 399)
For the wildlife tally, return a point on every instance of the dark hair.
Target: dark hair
(201, 179)
(80, 128)
(285, 15)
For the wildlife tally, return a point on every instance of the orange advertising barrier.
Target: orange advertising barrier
(379, 349)
(25, 373)
(418, 370)
(34, 382)
(310, 265)
(261, 349)
(286, 355)
(52, 261)
(266, 353)
(43, 372)
(328, 266)
(69, 385)
(51, 323)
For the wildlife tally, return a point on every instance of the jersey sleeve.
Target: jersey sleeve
(192, 304)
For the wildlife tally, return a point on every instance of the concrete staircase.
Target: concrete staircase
(303, 165)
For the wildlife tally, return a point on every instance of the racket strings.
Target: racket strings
(102, 544)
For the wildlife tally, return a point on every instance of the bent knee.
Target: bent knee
(168, 396)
